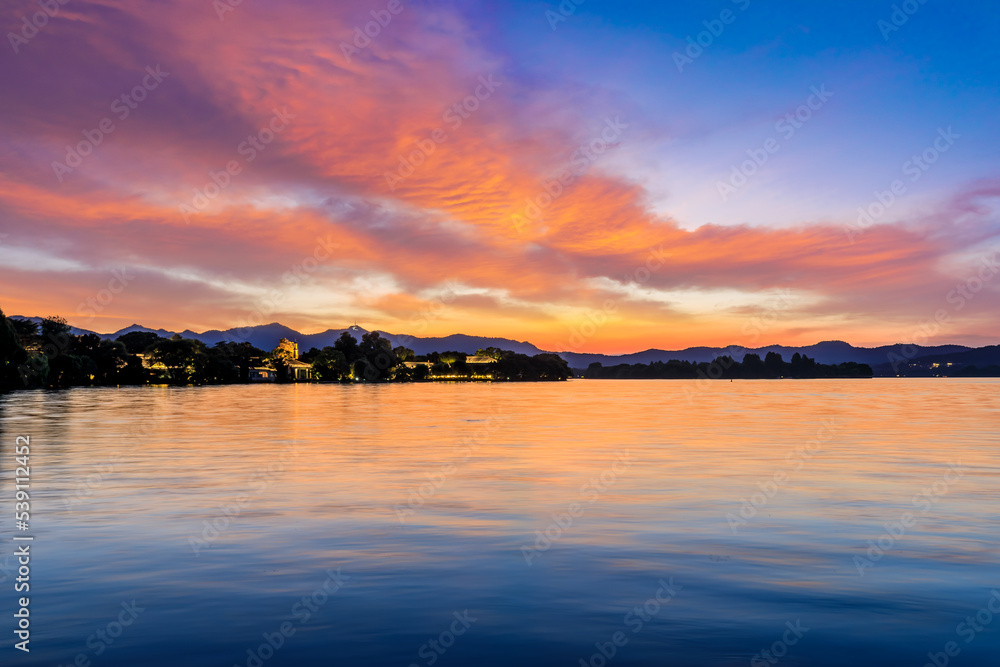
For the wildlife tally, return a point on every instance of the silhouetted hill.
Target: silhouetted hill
(829, 352)
(266, 337)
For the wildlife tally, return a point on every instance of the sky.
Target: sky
(602, 177)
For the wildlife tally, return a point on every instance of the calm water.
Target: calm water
(427, 500)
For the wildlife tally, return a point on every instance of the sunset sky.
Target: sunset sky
(357, 190)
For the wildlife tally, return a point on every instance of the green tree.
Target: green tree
(186, 359)
(403, 353)
(330, 365)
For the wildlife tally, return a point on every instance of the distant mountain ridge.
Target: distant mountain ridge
(828, 352)
(266, 337)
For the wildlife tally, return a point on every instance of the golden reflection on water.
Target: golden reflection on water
(408, 480)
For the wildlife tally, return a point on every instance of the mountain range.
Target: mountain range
(885, 360)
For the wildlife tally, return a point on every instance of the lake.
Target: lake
(813, 522)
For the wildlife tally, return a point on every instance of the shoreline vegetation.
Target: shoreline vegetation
(771, 367)
(46, 354)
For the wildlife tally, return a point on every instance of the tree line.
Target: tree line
(725, 368)
(47, 354)
(373, 359)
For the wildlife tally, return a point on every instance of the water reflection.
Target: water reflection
(221, 511)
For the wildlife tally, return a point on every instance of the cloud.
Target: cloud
(450, 218)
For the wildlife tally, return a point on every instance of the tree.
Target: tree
(136, 342)
(551, 367)
(403, 353)
(774, 364)
(186, 359)
(330, 364)
(56, 331)
(402, 373)
(27, 331)
(242, 355)
(753, 367)
(109, 358)
(456, 360)
(70, 370)
(377, 353)
(545, 366)
(12, 354)
(220, 366)
(348, 346)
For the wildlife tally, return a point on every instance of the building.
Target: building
(299, 370)
(263, 374)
